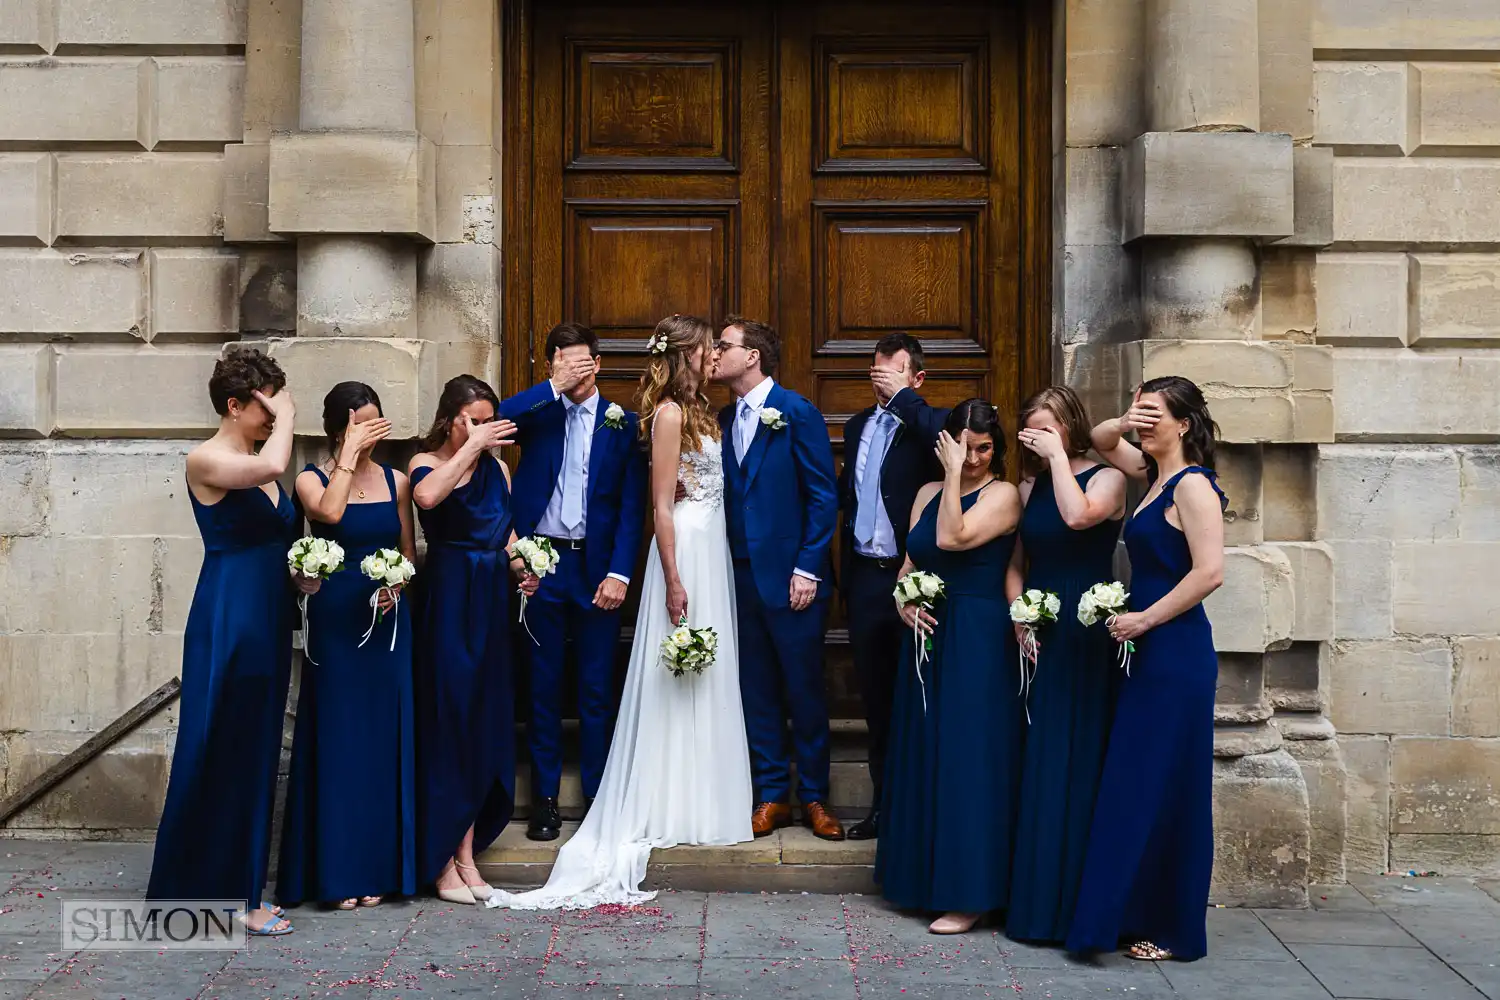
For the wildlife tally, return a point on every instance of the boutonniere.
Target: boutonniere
(771, 417)
(614, 417)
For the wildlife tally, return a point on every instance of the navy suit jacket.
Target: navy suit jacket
(616, 508)
(783, 496)
(909, 465)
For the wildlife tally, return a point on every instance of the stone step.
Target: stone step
(790, 860)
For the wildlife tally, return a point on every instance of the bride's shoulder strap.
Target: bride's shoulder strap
(664, 405)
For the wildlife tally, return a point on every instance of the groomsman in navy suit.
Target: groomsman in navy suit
(888, 457)
(581, 483)
(781, 508)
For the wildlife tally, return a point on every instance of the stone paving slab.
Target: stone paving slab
(1375, 939)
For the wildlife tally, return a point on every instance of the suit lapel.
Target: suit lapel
(756, 453)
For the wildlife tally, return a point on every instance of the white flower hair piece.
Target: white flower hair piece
(657, 344)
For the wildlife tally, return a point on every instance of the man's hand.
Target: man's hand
(568, 372)
(803, 592)
(888, 382)
(610, 595)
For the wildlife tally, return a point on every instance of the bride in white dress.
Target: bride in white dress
(679, 767)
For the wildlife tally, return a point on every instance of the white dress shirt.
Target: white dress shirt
(551, 523)
(883, 544)
(747, 422)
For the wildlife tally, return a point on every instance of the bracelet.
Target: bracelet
(343, 468)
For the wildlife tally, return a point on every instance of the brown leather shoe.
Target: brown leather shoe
(770, 817)
(823, 823)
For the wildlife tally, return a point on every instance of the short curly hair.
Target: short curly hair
(239, 373)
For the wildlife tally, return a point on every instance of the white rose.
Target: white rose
(1087, 613)
(1033, 596)
(395, 576)
(1054, 604)
(770, 416)
(682, 638)
(931, 585)
(538, 563)
(614, 412)
(912, 588)
(375, 568)
(1023, 612)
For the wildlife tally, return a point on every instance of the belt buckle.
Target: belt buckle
(576, 544)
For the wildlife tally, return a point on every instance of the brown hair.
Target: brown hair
(458, 392)
(571, 335)
(1063, 403)
(668, 377)
(1185, 402)
(239, 373)
(758, 337)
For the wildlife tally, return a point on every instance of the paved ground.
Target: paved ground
(1383, 939)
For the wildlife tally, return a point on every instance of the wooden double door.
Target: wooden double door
(839, 170)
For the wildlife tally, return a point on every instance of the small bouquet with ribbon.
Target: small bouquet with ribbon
(392, 570)
(1106, 602)
(541, 560)
(1032, 610)
(689, 650)
(924, 590)
(313, 558)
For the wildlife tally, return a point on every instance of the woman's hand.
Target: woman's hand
(385, 597)
(1044, 442)
(306, 584)
(1141, 416)
(951, 453)
(913, 613)
(529, 583)
(361, 439)
(677, 602)
(483, 437)
(1025, 640)
(279, 406)
(1131, 625)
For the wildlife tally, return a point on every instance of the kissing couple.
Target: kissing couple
(701, 758)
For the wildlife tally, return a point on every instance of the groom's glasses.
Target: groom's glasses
(725, 345)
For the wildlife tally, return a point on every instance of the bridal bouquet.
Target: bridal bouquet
(689, 650)
(390, 569)
(1106, 601)
(1031, 610)
(541, 559)
(313, 558)
(924, 590)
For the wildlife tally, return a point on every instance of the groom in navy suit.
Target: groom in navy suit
(781, 508)
(581, 483)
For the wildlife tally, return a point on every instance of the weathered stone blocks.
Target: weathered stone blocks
(247, 194)
(1455, 300)
(1371, 492)
(1479, 495)
(1476, 687)
(24, 476)
(120, 791)
(1459, 108)
(80, 683)
(455, 57)
(1368, 108)
(1387, 395)
(27, 25)
(1286, 68)
(194, 294)
(405, 371)
(100, 292)
(1375, 25)
(120, 488)
(1362, 299)
(1312, 586)
(1362, 589)
(1367, 803)
(26, 198)
(1289, 486)
(1208, 184)
(1391, 686)
(273, 73)
(1239, 469)
(1327, 779)
(1312, 198)
(1105, 47)
(92, 400)
(1202, 65)
(200, 99)
(175, 23)
(1445, 786)
(1388, 202)
(84, 100)
(348, 182)
(26, 379)
(458, 288)
(1262, 843)
(1255, 609)
(107, 197)
(1445, 587)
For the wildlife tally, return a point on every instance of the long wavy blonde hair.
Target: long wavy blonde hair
(668, 376)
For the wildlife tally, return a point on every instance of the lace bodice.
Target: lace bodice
(702, 473)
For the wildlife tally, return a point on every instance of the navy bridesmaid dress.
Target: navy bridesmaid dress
(350, 827)
(1151, 848)
(214, 839)
(466, 753)
(952, 771)
(1071, 705)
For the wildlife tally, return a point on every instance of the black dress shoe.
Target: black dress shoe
(546, 821)
(867, 828)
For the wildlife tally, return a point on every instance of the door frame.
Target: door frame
(1035, 289)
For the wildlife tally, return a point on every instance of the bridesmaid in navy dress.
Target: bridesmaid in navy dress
(1151, 848)
(466, 755)
(952, 764)
(1069, 527)
(214, 839)
(349, 836)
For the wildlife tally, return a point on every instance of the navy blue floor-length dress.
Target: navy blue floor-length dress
(1151, 848)
(952, 771)
(214, 839)
(466, 753)
(350, 826)
(1071, 706)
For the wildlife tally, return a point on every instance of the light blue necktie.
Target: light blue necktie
(744, 430)
(573, 471)
(869, 486)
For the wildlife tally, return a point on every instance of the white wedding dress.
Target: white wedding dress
(679, 766)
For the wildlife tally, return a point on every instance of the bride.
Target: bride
(679, 769)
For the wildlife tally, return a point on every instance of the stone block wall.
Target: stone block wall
(137, 162)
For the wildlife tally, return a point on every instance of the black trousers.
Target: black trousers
(875, 635)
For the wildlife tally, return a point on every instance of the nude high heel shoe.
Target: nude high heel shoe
(481, 891)
(461, 895)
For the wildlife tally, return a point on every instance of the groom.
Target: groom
(781, 508)
(581, 483)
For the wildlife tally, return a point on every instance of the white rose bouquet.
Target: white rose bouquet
(313, 558)
(689, 650)
(541, 560)
(1104, 602)
(614, 417)
(924, 590)
(392, 570)
(1032, 610)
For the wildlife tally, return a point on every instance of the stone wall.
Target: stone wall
(140, 230)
